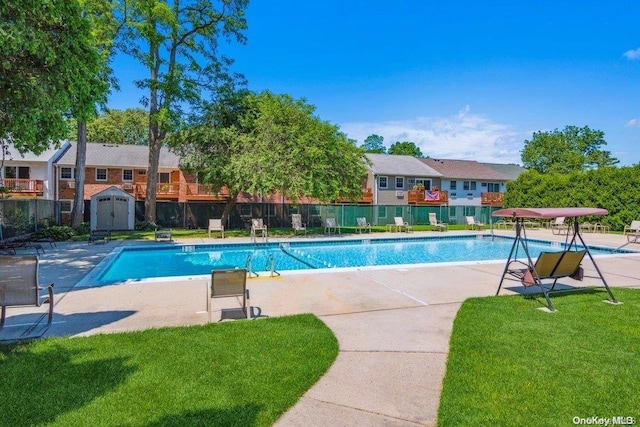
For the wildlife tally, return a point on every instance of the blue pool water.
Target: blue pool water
(135, 263)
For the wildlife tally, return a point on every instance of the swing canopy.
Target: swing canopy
(548, 212)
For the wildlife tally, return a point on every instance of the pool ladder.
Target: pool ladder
(270, 266)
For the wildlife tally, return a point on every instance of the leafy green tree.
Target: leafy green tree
(406, 148)
(177, 42)
(130, 126)
(104, 28)
(265, 143)
(48, 69)
(374, 144)
(572, 149)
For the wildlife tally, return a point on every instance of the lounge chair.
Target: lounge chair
(402, 225)
(559, 227)
(473, 224)
(163, 235)
(258, 227)
(362, 224)
(216, 225)
(552, 265)
(229, 283)
(19, 285)
(330, 224)
(437, 225)
(99, 236)
(632, 231)
(297, 224)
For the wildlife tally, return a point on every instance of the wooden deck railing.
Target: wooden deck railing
(418, 197)
(16, 185)
(492, 198)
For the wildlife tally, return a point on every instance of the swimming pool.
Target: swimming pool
(144, 262)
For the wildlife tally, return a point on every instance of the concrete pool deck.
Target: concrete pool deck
(393, 324)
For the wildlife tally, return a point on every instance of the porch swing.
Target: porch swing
(549, 265)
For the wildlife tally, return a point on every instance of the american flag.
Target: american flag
(432, 195)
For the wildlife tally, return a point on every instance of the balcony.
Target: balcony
(365, 199)
(492, 198)
(23, 187)
(164, 191)
(205, 193)
(419, 197)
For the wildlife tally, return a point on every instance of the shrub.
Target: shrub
(145, 226)
(58, 233)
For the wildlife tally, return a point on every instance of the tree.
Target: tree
(178, 44)
(48, 65)
(266, 143)
(95, 89)
(572, 149)
(406, 148)
(130, 126)
(374, 144)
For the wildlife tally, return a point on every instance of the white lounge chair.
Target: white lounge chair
(258, 227)
(362, 224)
(216, 225)
(438, 225)
(402, 225)
(632, 231)
(331, 225)
(559, 227)
(473, 224)
(297, 224)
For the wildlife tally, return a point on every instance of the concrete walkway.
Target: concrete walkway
(393, 324)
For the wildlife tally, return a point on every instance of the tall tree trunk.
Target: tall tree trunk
(155, 143)
(77, 213)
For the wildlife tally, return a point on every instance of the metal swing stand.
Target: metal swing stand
(521, 241)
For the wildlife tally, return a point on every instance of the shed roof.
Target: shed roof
(135, 156)
(394, 164)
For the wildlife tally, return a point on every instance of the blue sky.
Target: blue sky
(463, 80)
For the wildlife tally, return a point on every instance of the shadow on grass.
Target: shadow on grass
(237, 416)
(42, 381)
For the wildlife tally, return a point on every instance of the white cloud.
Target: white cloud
(464, 136)
(633, 54)
(633, 123)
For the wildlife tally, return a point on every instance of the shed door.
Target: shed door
(104, 213)
(121, 213)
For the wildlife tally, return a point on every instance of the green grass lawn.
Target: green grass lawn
(511, 364)
(178, 233)
(245, 373)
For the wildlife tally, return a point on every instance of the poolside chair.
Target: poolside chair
(229, 283)
(163, 235)
(559, 227)
(402, 225)
(473, 224)
(552, 265)
(258, 227)
(297, 224)
(437, 225)
(632, 231)
(19, 285)
(330, 224)
(99, 236)
(216, 225)
(362, 224)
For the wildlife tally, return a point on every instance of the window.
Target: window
(67, 173)
(411, 182)
(66, 206)
(493, 187)
(453, 185)
(382, 211)
(127, 175)
(163, 177)
(400, 182)
(383, 182)
(465, 185)
(425, 182)
(20, 172)
(101, 174)
(473, 186)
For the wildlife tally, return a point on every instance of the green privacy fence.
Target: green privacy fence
(20, 216)
(197, 214)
